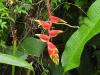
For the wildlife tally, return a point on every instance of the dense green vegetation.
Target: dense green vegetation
(23, 53)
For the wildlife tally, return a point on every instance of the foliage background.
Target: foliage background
(21, 17)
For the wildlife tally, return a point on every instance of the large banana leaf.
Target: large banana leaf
(11, 60)
(74, 47)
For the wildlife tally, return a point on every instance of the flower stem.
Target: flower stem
(14, 50)
(28, 71)
(48, 7)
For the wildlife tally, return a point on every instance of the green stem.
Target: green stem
(14, 51)
(28, 72)
(13, 70)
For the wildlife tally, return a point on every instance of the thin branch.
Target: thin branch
(70, 4)
(37, 2)
(68, 25)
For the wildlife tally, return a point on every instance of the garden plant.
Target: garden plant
(75, 51)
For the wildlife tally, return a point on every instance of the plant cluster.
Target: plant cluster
(52, 49)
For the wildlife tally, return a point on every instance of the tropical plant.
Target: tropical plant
(52, 49)
(75, 45)
(5, 18)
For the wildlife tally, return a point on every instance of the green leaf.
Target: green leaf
(32, 46)
(20, 54)
(3, 25)
(30, 1)
(28, 6)
(66, 6)
(57, 70)
(55, 1)
(11, 60)
(74, 46)
(2, 43)
(22, 11)
(59, 0)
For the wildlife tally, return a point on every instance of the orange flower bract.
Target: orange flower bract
(52, 49)
(54, 33)
(44, 24)
(56, 19)
(51, 45)
(43, 37)
(53, 53)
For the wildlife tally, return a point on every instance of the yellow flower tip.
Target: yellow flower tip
(37, 35)
(36, 20)
(57, 63)
(60, 31)
(56, 50)
(63, 21)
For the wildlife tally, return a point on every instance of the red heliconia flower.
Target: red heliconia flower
(56, 19)
(54, 33)
(43, 37)
(44, 24)
(53, 53)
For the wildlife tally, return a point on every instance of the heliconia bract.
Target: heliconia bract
(54, 33)
(53, 53)
(52, 49)
(44, 24)
(56, 19)
(51, 45)
(43, 37)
